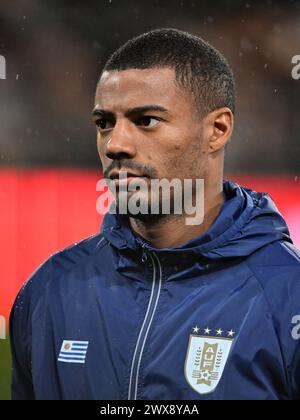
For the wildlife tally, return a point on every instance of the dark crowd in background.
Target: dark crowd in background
(55, 50)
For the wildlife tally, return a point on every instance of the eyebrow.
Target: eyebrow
(132, 111)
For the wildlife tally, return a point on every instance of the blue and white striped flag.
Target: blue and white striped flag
(73, 351)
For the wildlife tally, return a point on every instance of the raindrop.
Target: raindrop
(96, 45)
(246, 44)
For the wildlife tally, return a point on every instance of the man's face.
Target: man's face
(148, 126)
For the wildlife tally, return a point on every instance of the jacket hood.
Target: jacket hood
(248, 221)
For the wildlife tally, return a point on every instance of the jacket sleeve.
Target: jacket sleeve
(20, 337)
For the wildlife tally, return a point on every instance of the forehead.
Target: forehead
(120, 90)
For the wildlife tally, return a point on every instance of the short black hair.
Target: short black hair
(200, 68)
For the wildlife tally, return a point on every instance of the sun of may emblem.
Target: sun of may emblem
(207, 354)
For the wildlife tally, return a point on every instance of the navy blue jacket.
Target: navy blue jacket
(112, 318)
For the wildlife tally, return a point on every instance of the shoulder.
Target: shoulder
(79, 253)
(275, 264)
(276, 268)
(46, 280)
(57, 266)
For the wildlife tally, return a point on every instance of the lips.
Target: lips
(125, 179)
(123, 175)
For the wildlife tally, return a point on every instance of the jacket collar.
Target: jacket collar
(247, 221)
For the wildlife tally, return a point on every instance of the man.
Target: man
(154, 307)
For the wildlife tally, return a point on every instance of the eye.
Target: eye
(104, 124)
(148, 121)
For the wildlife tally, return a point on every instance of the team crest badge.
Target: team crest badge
(206, 358)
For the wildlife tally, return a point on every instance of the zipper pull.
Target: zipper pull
(145, 254)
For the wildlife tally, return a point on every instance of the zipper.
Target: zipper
(145, 254)
(148, 320)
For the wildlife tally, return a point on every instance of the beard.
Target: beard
(147, 207)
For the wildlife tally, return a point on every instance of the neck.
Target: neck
(171, 231)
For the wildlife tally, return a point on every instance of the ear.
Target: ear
(221, 124)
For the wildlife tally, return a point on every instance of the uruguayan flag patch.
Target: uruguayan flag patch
(73, 351)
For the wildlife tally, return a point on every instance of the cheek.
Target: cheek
(190, 160)
(98, 144)
(101, 153)
(101, 147)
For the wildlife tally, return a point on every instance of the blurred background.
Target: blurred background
(54, 51)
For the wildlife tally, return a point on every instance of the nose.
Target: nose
(121, 143)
